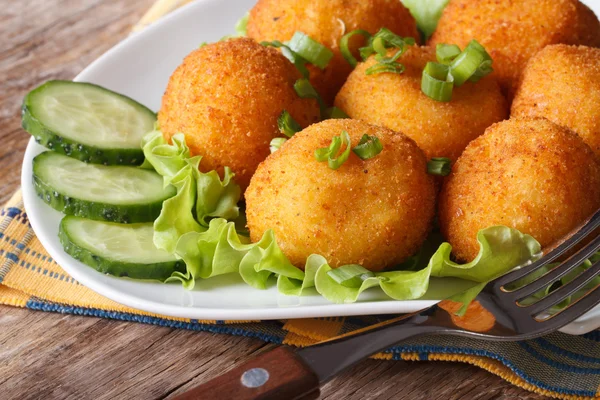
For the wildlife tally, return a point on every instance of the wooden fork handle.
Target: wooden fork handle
(277, 374)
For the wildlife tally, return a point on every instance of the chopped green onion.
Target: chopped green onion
(437, 82)
(276, 144)
(305, 90)
(368, 147)
(351, 276)
(288, 125)
(394, 40)
(440, 166)
(309, 49)
(455, 67)
(334, 161)
(240, 26)
(379, 46)
(446, 53)
(382, 68)
(469, 62)
(295, 58)
(345, 47)
(203, 44)
(335, 113)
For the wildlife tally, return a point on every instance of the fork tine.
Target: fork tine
(564, 291)
(572, 312)
(561, 270)
(513, 276)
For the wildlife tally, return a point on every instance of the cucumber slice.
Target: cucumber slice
(117, 249)
(111, 193)
(87, 122)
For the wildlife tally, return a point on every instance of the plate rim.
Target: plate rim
(583, 325)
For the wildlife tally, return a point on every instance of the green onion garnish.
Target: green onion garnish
(345, 48)
(335, 113)
(467, 63)
(454, 68)
(301, 50)
(381, 68)
(305, 90)
(446, 53)
(295, 58)
(440, 166)
(330, 154)
(351, 276)
(288, 125)
(276, 144)
(437, 82)
(378, 45)
(309, 49)
(368, 147)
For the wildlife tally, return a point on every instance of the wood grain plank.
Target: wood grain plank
(54, 356)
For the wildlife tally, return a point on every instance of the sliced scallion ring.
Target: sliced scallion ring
(276, 144)
(345, 48)
(368, 147)
(311, 50)
(446, 53)
(383, 67)
(437, 82)
(351, 276)
(440, 166)
(305, 90)
(379, 46)
(330, 154)
(468, 62)
(288, 125)
(295, 58)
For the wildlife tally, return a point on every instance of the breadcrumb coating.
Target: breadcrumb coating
(397, 102)
(375, 213)
(562, 83)
(327, 21)
(527, 174)
(226, 97)
(513, 31)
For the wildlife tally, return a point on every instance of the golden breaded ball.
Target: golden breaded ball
(375, 213)
(562, 83)
(226, 98)
(512, 31)
(441, 129)
(527, 174)
(327, 21)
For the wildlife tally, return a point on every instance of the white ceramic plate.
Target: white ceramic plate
(140, 67)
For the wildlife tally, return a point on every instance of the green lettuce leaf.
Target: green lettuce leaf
(200, 196)
(500, 250)
(198, 225)
(427, 13)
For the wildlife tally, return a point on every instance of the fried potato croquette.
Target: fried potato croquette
(562, 83)
(397, 102)
(527, 174)
(513, 31)
(375, 213)
(226, 98)
(326, 21)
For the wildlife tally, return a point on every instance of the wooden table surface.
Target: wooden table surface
(53, 356)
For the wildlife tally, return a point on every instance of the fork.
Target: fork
(286, 374)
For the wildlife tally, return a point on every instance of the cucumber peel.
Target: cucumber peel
(87, 122)
(112, 193)
(117, 249)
